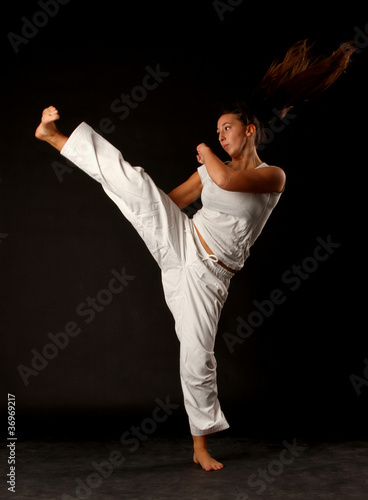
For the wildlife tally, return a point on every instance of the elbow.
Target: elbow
(221, 179)
(223, 182)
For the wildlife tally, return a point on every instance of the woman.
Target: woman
(199, 256)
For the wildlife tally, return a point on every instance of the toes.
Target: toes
(50, 114)
(217, 466)
(50, 111)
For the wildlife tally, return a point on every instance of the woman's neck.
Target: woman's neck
(247, 160)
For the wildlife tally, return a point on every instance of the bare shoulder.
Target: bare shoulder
(269, 168)
(275, 176)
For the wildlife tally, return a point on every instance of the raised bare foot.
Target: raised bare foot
(47, 130)
(47, 127)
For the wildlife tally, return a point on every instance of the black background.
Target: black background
(60, 240)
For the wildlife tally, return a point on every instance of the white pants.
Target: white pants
(195, 287)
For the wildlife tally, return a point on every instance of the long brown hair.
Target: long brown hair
(299, 77)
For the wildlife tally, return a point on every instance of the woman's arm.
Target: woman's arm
(263, 180)
(188, 192)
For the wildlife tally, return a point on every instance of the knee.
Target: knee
(198, 367)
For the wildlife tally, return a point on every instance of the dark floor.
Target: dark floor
(160, 468)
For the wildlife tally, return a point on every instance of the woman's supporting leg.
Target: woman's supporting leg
(196, 297)
(201, 455)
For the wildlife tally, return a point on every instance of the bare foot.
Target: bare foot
(47, 130)
(204, 459)
(201, 455)
(47, 127)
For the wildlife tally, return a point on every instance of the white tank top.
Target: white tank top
(230, 221)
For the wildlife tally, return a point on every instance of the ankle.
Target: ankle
(200, 443)
(57, 140)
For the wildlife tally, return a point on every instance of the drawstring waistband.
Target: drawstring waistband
(217, 261)
(211, 258)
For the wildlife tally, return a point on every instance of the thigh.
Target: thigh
(157, 219)
(196, 297)
(204, 298)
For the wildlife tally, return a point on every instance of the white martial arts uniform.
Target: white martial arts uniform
(195, 285)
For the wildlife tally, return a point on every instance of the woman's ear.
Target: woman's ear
(250, 130)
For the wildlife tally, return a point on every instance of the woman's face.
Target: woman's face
(233, 134)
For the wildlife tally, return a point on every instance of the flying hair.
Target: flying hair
(299, 77)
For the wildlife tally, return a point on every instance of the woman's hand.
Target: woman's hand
(202, 149)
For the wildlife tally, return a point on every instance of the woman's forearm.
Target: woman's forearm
(215, 167)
